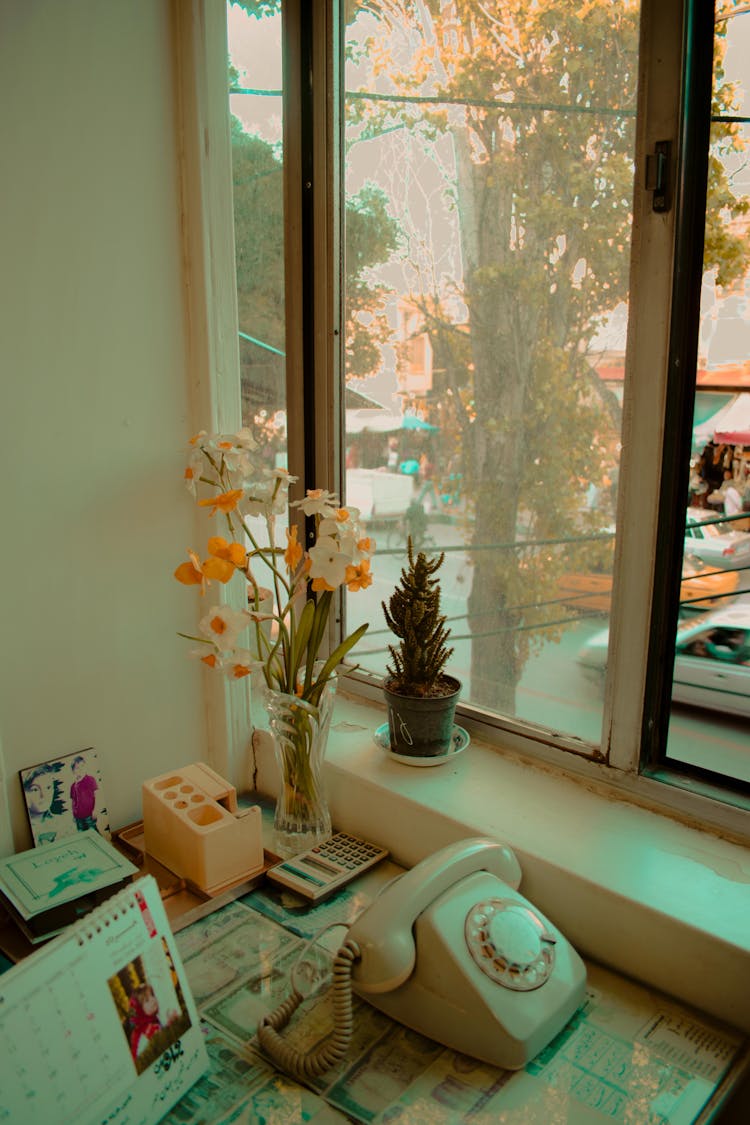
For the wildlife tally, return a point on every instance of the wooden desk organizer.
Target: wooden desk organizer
(191, 824)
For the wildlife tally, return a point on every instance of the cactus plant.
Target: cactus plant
(413, 615)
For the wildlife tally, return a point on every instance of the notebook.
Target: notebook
(100, 1025)
(46, 888)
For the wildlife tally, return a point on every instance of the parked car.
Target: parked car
(702, 587)
(706, 587)
(715, 543)
(712, 660)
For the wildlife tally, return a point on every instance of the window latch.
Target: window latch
(657, 176)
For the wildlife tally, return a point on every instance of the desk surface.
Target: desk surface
(629, 1055)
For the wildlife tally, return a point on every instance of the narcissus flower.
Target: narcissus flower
(197, 573)
(224, 502)
(223, 625)
(284, 625)
(234, 553)
(294, 552)
(328, 563)
(343, 520)
(318, 502)
(359, 577)
(240, 665)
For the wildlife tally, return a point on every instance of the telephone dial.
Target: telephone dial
(452, 950)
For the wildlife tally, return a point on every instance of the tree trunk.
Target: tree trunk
(501, 334)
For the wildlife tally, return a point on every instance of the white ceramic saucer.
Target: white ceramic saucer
(459, 741)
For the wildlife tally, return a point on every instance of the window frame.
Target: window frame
(204, 203)
(315, 361)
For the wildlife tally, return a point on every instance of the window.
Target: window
(255, 104)
(500, 331)
(712, 740)
(492, 155)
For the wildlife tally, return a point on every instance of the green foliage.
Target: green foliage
(413, 615)
(372, 235)
(258, 8)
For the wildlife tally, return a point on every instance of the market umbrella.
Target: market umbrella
(412, 422)
(382, 422)
(733, 427)
(703, 430)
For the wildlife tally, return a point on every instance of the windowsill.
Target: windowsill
(648, 896)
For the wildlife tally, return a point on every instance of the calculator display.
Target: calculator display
(319, 872)
(326, 868)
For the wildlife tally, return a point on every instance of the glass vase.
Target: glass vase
(300, 733)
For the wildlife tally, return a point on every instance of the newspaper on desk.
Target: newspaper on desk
(628, 1056)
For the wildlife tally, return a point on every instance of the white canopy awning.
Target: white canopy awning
(733, 423)
(704, 431)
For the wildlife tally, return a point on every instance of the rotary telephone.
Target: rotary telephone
(452, 950)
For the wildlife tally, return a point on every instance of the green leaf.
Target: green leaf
(300, 639)
(317, 633)
(335, 659)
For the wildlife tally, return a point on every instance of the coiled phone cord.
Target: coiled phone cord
(306, 1066)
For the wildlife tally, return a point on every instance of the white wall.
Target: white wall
(94, 407)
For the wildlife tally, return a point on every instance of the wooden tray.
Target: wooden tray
(183, 900)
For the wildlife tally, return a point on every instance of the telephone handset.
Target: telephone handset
(452, 950)
(384, 931)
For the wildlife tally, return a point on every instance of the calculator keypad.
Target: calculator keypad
(347, 850)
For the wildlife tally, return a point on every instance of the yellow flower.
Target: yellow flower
(359, 577)
(225, 501)
(197, 573)
(319, 584)
(293, 552)
(234, 553)
(191, 573)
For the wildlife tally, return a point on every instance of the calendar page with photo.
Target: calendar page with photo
(100, 1024)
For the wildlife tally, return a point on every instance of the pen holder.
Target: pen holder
(192, 825)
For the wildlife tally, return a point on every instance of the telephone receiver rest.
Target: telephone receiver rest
(384, 931)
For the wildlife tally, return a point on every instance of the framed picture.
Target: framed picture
(64, 796)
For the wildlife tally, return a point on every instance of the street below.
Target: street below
(553, 691)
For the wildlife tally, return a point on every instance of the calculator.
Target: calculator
(317, 873)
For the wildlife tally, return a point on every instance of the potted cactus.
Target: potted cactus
(421, 697)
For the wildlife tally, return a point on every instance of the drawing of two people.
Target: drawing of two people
(49, 814)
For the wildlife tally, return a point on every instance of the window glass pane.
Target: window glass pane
(257, 168)
(489, 172)
(711, 682)
(255, 82)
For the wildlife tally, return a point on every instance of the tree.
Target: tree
(372, 236)
(539, 102)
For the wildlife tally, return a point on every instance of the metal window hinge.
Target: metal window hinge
(657, 176)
